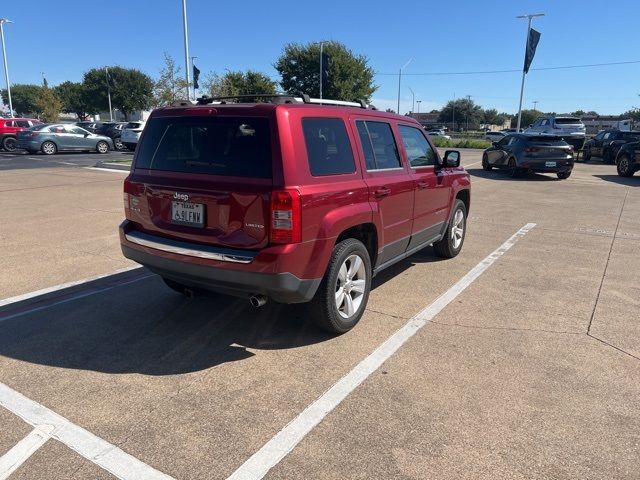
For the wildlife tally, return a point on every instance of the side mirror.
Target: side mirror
(451, 159)
(86, 135)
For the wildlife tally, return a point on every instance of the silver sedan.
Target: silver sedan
(50, 139)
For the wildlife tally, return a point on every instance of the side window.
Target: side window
(23, 123)
(365, 141)
(599, 136)
(383, 146)
(328, 147)
(512, 140)
(418, 149)
(606, 135)
(10, 123)
(505, 141)
(544, 123)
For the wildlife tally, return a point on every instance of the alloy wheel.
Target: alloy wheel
(457, 230)
(350, 286)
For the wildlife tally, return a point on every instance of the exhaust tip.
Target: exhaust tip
(257, 301)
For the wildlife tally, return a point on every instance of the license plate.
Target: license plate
(191, 214)
(549, 164)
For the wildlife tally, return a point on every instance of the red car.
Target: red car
(295, 200)
(9, 127)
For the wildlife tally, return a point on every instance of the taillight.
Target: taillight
(531, 149)
(130, 196)
(286, 224)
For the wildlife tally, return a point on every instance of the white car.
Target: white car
(131, 134)
(494, 136)
(438, 133)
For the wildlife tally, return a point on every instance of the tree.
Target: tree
(350, 76)
(48, 105)
(23, 98)
(465, 112)
(239, 83)
(75, 99)
(528, 117)
(390, 110)
(633, 114)
(131, 89)
(578, 113)
(492, 117)
(170, 86)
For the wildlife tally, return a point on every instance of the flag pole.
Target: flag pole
(530, 17)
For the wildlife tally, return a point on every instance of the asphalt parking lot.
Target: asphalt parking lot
(522, 361)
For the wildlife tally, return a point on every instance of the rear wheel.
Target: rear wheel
(586, 155)
(451, 244)
(343, 294)
(485, 162)
(624, 166)
(513, 169)
(49, 148)
(10, 144)
(606, 156)
(564, 175)
(102, 147)
(118, 143)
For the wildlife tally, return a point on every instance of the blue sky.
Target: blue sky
(66, 38)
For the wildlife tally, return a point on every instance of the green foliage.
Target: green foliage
(464, 110)
(528, 117)
(24, 98)
(462, 143)
(131, 89)
(350, 76)
(48, 105)
(170, 86)
(633, 114)
(75, 99)
(239, 83)
(492, 117)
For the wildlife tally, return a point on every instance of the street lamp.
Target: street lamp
(418, 102)
(186, 47)
(413, 100)
(400, 81)
(6, 69)
(529, 17)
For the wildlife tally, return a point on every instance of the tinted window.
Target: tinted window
(328, 147)
(504, 141)
(365, 141)
(419, 152)
(568, 121)
(236, 146)
(606, 135)
(599, 136)
(385, 151)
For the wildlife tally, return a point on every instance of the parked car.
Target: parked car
(296, 202)
(570, 128)
(9, 128)
(628, 159)
(512, 130)
(93, 127)
(113, 130)
(50, 139)
(438, 133)
(521, 152)
(607, 143)
(131, 134)
(494, 136)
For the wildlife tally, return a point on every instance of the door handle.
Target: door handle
(382, 192)
(422, 185)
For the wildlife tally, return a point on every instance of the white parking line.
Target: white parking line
(286, 439)
(113, 170)
(102, 453)
(21, 452)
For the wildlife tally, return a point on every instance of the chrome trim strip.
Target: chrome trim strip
(180, 248)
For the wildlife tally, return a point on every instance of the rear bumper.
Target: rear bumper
(543, 165)
(162, 256)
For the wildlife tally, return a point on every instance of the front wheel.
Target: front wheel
(9, 144)
(624, 166)
(342, 296)
(485, 162)
(451, 244)
(564, 175)
(102, 147)
(586, 155)
(49, 148)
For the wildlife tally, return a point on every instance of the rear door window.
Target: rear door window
(228, 146)
(328, 148)
(419, 152)
(381, 152)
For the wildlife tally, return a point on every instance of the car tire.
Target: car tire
(10, 144)
(485, 163)
(349, 263)
(117, 143)
(453, 239)
(586, 155)
(181, 288)
(102, 147)
(606, 156)
(624, 166)
(49, 148)
(564, 175)
(512, 168)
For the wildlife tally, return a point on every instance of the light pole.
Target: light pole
(535, 105)
(529, 17)
(418, 102)
(400, 81)
(413, 100)
(186, 47)
(467, 112)
(6, 69)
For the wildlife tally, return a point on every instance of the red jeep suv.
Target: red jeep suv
(9, 128)
(296, 200)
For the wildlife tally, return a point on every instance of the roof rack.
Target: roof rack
(279, 98)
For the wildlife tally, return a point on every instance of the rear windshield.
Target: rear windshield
(232, 146)
(568, 121)
(133, 125)
(546, 140)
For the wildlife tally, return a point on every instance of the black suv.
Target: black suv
(113, 130)
(607, 143)
(628, 159)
